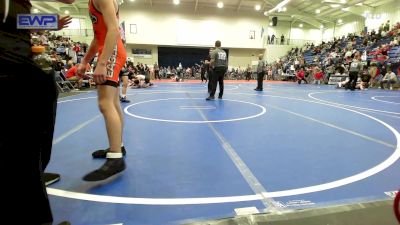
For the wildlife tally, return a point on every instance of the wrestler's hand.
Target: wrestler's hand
(81, 70)
(99, 75)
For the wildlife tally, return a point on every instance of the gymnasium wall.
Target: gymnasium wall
(389, 11)
(81, 27)
(298, 35)
(274, 52)
(355, 26)
(243, 57)
(175, 27)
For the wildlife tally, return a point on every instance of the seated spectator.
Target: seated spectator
(374, 72)
(390, 78)
(300, 75)
(73, 76)
(318, 75)
(340, 69)
(380, 58)
(384, 49)
(365, 78)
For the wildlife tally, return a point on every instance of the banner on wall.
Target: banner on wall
(142, 53)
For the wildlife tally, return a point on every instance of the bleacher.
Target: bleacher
(394, 55)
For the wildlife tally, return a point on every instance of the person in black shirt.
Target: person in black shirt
(26, 133)
(203, 68)
(208, 69)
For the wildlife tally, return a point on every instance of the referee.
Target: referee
(260, 73)
(219, 65)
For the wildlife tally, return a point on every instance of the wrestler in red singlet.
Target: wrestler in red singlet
(118, 57)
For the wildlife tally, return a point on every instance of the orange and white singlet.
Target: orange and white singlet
(118, 57)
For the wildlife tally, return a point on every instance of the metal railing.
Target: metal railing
(298, 42)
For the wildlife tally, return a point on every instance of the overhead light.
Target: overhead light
(317, 11)
(335, 5)
(322, 26)
(340, 21)
(359, 4)
(131, 0)
(280, 5)
(176, 2)
(343, 1)
(258, 7)
(66, 12)
(266, 13)
(301, 25)
(220, 5)
(284, 9)
(270, 23)
(35, 10)
(345, 9)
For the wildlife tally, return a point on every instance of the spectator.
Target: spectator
(390, 78)
(300, 75)
(365, 78)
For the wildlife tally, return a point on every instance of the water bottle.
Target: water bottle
(42, 59)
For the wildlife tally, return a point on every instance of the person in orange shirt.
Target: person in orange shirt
(72, 75)
(111, 58)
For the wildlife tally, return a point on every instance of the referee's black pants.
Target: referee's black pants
(203, 77)
(209, 75)
(217, 78)
(260, 79)
(353, 76)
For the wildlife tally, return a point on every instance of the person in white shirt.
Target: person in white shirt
(389, 78)
(140, 81)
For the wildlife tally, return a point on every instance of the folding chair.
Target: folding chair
(62, 87)
(66, 81)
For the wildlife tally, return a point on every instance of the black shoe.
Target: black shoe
(50, 178)
(124, 99)
(210, 98)
(101, 154)
(219, 97)
(108, 169)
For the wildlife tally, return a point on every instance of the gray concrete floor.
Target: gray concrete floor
(369, 213)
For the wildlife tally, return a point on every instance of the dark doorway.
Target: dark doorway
(172, 56)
